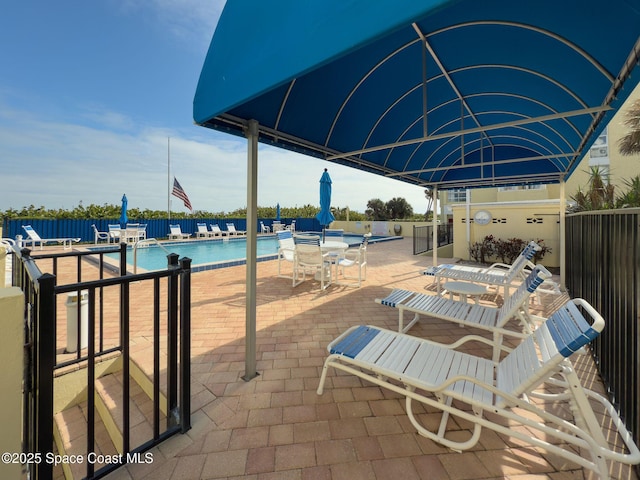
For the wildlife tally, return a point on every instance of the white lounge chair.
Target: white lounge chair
(308, 258)
(465, 386)
(497, 275)
(34, 238)
(176, 233)
(492, 319)
(203, 232)
(217, 232)
(231, 228)
(354, 258)
(286, 250)
(98, 235)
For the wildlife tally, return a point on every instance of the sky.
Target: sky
(96, 101)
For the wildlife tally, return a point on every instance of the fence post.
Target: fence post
(172, 339)
(45, 362)
(123, 258)
(185, 340)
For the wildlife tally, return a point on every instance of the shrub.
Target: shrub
(505, 250)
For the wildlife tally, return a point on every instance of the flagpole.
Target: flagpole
(169, 178)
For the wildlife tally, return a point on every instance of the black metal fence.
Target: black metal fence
(423, 237)
(603, 267)
(170, 310)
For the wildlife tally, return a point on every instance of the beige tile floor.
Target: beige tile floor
(276, 426)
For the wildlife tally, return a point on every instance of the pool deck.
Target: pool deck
(277, 427)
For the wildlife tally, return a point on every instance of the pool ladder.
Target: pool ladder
(144, 243)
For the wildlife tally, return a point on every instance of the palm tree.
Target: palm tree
(600, 194)
(428, 194)
(630, 143)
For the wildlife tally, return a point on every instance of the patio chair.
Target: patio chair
(176, 233)
(496, 275)
(308, 258)
(115, 233)
(355, 258)
(142, 231)
(203, 232)
(492, 319)
(34, 238)
(264, 228)
(231, 228)
(511, 392)
(291, 227)
(334, 234)
(217, 232)
(131, 234)
(98, 235)
(286, 250)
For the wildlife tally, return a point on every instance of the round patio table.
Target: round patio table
(464, 289)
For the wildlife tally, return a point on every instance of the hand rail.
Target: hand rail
(141, 242)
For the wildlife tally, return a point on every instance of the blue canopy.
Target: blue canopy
(455, 94)
(324, 216)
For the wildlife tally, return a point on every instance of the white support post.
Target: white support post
(563, 239)
(251, 280)
(435, 226)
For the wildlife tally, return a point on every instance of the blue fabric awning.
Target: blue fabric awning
(456, 94)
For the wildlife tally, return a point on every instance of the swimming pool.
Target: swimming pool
(211, 254)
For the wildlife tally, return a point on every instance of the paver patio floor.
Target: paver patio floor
(275, 426)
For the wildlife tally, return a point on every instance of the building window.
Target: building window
(513, 188)
(599, 151)
(458, 195)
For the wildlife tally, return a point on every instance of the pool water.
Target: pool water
(210, 254)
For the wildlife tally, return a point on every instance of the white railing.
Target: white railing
(144, 243)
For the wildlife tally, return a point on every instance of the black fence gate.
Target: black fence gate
(171, 328)
(423, 237)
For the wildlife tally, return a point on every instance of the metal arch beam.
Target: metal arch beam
(475, 165)
(597, 65)
(479, 182)
(575, 97)
(529, 99)
(529, 71)
(451, 83)
(357, 86)
(539, 134)
(491, 163)
(444, 104)
(543, 118)
(409, 158)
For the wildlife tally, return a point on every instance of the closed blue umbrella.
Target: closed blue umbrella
(278, 211)
(324, 216)
(123, 213)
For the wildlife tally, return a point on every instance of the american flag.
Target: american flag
(180, 193)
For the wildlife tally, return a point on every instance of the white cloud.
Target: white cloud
(60, 164)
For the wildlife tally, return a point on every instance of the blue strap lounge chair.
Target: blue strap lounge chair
(464, 386)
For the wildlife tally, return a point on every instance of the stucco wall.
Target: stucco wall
(11, 355)
(525, 220)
